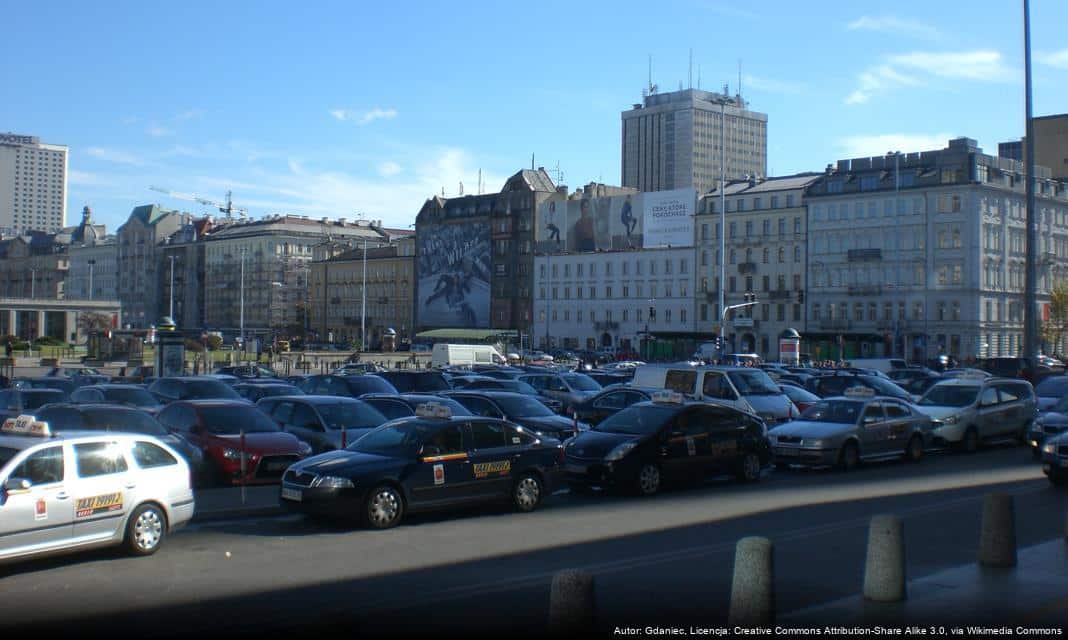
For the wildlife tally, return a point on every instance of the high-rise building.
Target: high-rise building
(1051, 147)
(672, 140)
(33, 184)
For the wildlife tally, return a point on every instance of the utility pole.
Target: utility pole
(363, 301)
(722, 215)
(171, 309)
(242, 316)
(91, 263)
(1030, 346)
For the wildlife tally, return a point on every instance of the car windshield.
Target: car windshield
(637, 420)
(208, 389)
(753, 382)
(797, 394)
(836, 411)
(268, 390)
(1055, 386)
(351, 415)
(133, 396)
(231, 420)
(949, 395)
(365, 383)
(581, 382)
(523, 407)
(401, 438)
(6, 454)
(40, 397)
(123, 420)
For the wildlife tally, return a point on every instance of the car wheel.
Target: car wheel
(849, 457)
(970, 443)
(749, 468)
(914, 449)
(648, 481)
(1057, 478)
(145, 530)
(384, 507)
(526, 494)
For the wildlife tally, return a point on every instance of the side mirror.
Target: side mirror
(17, 484)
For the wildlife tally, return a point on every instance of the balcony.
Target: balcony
(747, 268)
(743, 322)
(864, 255)
(864, 289)
(834, 323)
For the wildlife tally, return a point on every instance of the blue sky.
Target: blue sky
(341, 108)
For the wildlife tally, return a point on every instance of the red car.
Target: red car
(215, 426)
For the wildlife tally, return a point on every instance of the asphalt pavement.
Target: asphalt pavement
(665, 560)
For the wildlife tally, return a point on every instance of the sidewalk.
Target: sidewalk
(1034, 594)
(225, 503)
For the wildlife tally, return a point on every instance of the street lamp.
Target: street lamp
(723, 318)
(722, 212)
(242, 316)
(91, 263)
(898, 333)
(172, 259)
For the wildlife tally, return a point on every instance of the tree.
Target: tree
(213, 341)
(93, 321)
(1054, 329)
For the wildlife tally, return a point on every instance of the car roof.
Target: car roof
(487, 393)
(112, 385)
(264, 382)
(216, 402)
(312, 399)
(91, 405)
(21, 442)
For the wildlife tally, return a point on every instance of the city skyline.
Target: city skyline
(330, 117)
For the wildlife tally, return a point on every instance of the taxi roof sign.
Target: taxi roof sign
(26, 425)
(859, 391)
(667, 397)
(433, 410)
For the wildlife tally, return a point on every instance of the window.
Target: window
(782, 255)
(448, 440)
(99, 458)
(148, 455)
(42, 467)
(766, 253)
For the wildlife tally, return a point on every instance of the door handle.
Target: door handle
(62, 495)
(131, 485)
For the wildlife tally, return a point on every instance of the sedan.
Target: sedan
(607, 403)
(403, 405)
(518, 408)
(1050, 390)
(324, 422)
(130, 395)
(255, 391)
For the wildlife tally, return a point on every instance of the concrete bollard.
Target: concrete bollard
(997, 534)
(572, 608)
(884, 569)
(753, 586)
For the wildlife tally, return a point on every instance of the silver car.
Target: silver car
(844, 430)
(970, 410)
(80, 490)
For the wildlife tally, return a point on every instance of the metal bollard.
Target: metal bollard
(884, 570)
(997, 534)
(753, 586)
(572, 607)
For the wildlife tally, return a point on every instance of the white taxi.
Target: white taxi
(79, 490)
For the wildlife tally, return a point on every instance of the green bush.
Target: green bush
(49, 341)
(20, 345)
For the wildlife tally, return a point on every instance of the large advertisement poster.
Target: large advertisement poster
(614, 223)
(453, 268)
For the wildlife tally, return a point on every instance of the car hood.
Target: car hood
(344, 460)
(273, 442)
(1051, 418)
(1045, 403)
(936, 412)
(351, 435)
(597, 444)
(546, 423)
(1061, 438)
(777, 406)
(807, 429)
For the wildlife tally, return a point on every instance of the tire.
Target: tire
(970, 442)
(383, 508)
(749, 468)
(145, 530)
(849, 457)
(648, 480)
(527, 492)
(914, 449)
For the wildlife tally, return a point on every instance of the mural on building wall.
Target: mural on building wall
(612, 223)
(453, 267)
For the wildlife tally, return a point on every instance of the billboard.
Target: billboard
(453, 272)
(613, 223)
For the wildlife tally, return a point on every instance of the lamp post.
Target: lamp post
(171, 307)
(33, 283)
(723, 317)
(1030, 345)
(242, 312)
(363, 301)
(898, 335)
(722, 213)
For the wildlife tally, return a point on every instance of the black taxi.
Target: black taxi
(432, 460)
(667, 438)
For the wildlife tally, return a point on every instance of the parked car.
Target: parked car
(416, 381)
(248, 371)
(64, 385)
(403, 405)
(241, 444)
(78, 375)
(169, 389)
(1024, 368)
(1051, 390)
(642, 446)
(483, 383)
(568, 388)
(518, 409)
(1055, 459)
(802, 398)
(352, 386)
(130, 395)
(17, 401)
(255, 391)
(1050, 422)
(608, 402)
(324, 422)
(357, 367)
(969, 411)
(829, 386)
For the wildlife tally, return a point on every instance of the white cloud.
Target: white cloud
(879, 144)
(189, 115)
(388, 169)
(87, 179)
(920, 68)
(771, 85)
(116, 156)
(1057, 59)
(364, 117)
(157, 131)
(895, 26)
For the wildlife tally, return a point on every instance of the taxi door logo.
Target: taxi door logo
(105, 503)
(439, 474)
(484, 469)
(40, 510)
(691, 448)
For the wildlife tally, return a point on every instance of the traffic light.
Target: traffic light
(750, 296)
(801, 296)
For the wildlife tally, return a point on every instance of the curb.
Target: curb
(236, 514)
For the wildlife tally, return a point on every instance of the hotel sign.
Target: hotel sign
(13, 138)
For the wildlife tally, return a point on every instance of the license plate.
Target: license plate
(292, 494)
(786, 453)
(575, 468)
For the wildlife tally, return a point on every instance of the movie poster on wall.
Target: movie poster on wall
(669, 218)
(453, 267)
(589, 223)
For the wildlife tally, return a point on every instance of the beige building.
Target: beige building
(33, 184)
(1051, 150)
(336, 309)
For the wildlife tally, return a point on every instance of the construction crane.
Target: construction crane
(227, 208)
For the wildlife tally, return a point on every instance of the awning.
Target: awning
(467, 334)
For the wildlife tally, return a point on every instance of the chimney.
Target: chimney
(829, 170)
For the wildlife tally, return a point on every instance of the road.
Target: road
(663, 560)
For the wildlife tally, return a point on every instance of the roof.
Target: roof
(783, 183)
(21, 442)
(467, 334)
(536, 180)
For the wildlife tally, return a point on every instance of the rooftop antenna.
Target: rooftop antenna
(559, 173)
(480, 182)
(691, 67)
(739, 77)
(532, 161)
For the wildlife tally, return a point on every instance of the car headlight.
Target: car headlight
(620, 451)
(1049, 448)
(304, 449)
(953, 419)
(233, 454)
(815, 444)
(333, 482)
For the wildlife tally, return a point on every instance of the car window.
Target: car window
(448, 440)
(836, 411)
(62, 418)
(130, 420)
(718, 418)
(615, 400)
(989, 397)
(86, 396)
(40, 397)
(873, 413)
(391, 409)
(716, 386)
(487, 435)
(895, 411)
(690, 423)
(480, 407)
(233, 419)
(99, 459)
(1006, 393)
(682, 381)
(41, 467)
(352, 414)
(515, 437)
(1053, 386)
(148, 456)
(304, 417)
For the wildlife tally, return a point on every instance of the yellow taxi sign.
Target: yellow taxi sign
(26, 425)
(433, 410)
(859, 391)
(667, 397)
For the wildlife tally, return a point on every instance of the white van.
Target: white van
(465, 355)
(886, 365)
(746, 388)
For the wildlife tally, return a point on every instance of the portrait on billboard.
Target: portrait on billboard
(454, 275)
(583, 224)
